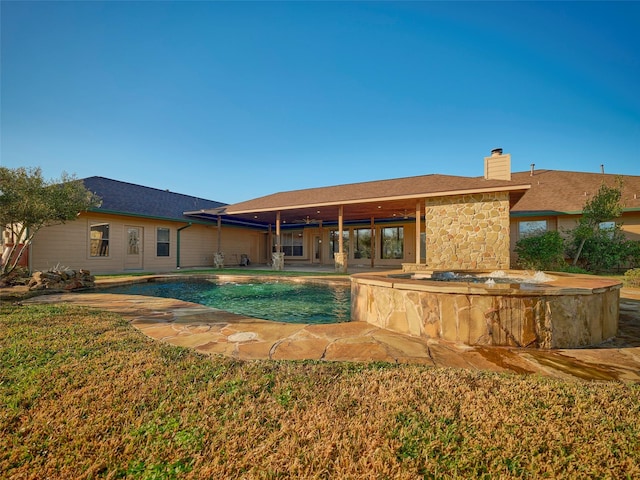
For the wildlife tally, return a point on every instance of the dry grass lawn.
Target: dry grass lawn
(85, 395)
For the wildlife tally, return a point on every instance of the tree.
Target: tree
(28, 203)
(604, 206)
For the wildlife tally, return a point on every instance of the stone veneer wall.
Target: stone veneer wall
(548, 317)
(468, 232)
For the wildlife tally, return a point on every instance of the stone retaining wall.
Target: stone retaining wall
(573, 311)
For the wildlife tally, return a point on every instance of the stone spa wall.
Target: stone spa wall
(468, 231)
(570, 311)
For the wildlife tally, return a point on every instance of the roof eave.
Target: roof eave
(555, 213)
(446, 193)
(139, 215)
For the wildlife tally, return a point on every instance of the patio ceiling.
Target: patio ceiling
(364, 211)
(402, 209)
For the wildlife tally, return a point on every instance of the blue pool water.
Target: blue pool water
(277, 301)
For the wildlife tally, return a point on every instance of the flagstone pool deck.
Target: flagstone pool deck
(216, 332)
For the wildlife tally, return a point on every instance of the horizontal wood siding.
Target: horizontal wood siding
(61, 245)
(68, 245)
(235, 242)
(631, 225)
(497, 167)
(197, 245)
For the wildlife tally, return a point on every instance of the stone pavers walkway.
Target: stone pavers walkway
(216, 332)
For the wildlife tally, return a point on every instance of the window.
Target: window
(99, 238)
(608, 227)
(334, 241)
(162, 242)
(392, 244)
(133, 241)
(532, 228)
(292, 243)
(362, 240)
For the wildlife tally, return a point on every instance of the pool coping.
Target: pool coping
(216, 332)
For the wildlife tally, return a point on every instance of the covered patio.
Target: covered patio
(437, 219)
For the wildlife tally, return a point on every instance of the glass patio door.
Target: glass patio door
(317, 249)
(133, 248)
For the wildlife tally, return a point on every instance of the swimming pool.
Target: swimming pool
(274, 300)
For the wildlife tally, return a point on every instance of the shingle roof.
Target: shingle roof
(130, 199)
(408, 187)
(550, 191)
(566, 192)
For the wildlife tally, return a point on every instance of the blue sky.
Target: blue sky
(233, 100)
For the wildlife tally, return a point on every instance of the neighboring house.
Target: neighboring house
(428, 221)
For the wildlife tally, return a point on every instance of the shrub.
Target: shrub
(633, 250)
(609, 250)
(632, 277)
(541, 252)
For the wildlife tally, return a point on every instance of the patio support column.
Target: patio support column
(320, 255)
(278, 255)
(278, 246)
(373, 242)
(418, 232)
(340, 258)
(340, 224)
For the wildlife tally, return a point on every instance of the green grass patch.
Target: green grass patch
(85, 395)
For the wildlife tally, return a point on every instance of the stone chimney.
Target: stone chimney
(497, 166)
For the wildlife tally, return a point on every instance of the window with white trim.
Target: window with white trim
(292, 244)
(162, 242)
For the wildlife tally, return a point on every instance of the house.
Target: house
(428, 221)
(436, 221)
(138, 228)
(442, 221)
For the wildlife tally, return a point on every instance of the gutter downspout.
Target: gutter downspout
(178, 246)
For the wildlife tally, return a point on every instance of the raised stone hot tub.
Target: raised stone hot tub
(509, 309)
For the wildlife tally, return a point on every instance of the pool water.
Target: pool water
(277, 301)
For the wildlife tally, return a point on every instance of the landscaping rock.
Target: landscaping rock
(67, 280)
